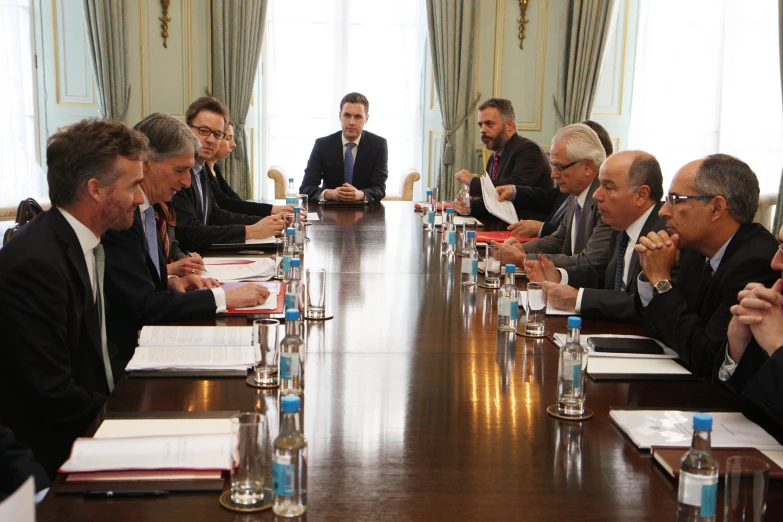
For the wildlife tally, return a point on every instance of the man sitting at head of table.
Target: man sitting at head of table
(351, 164)
(628, 198)
(709, 229)
(752, 366)
(225, 197)
(55, 362)
(138, 288)
(200, 221)
(582, 237)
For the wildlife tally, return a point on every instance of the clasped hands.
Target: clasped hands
(757, 315)
(345, 192)
(658, 254)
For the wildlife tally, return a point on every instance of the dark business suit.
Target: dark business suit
(325, 167)
(599, 299)
(52, 376)
(592, 237)
(137, 295)
(16, 464)
(541, 205)
(227, 199)
(521, 162)
(221, 226)
(695, 326)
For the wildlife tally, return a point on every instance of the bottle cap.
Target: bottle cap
(471, 233)
(702, 422)
(574, 322)
(290, 180)
(510, 269)
(449, 211)
(292, 314)
(290, 231)
(296, 262)
(291, 403)
(429, 192)
(297, 209)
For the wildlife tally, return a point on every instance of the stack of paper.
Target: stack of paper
(458, 220)
(226, 269)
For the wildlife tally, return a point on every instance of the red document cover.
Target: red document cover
(449, 204)
(500, 236)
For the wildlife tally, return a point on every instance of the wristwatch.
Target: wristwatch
(662, 286)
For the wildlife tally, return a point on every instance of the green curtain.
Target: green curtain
(779, 205)
(105, 26)
(452, 35)
(237, 33)
(586, 32)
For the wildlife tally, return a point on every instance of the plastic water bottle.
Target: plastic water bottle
(290, 252)
(289, 463)
(291, 195)
(470, 261)
(571, 372)
(508, 303)
(298, 229)
(698, 491)
(448, 235)
(427, 219)
(465, 193)
(290, 368)
(292, 290)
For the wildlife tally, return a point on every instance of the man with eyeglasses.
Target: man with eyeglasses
(709, 229)
(200, 221)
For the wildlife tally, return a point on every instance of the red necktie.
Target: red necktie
(495, 160)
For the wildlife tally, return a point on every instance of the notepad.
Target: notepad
(259, 269)
(618, 366)
(560, 339)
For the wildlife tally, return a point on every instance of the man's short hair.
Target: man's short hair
(581, 143)
(645, 170)
(355, 97)
(732, 178)
(206, 103)
(86, 150)
(606, 141)
(168, 137)
(504, 107)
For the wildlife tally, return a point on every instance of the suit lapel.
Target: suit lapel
(569, 217)
(586, 221)
(508, 151)
(362, 152)
(196, 196)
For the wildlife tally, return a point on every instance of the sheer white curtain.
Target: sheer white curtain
(707, 80)
(319, 50)
(20, 175)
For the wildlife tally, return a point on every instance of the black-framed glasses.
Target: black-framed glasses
(673, 199)
(206, 131)
(561, 168)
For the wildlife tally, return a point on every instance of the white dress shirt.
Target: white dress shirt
(88, 241)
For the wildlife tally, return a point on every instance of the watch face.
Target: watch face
(663, 286)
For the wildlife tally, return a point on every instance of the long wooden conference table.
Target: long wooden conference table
(417, 408)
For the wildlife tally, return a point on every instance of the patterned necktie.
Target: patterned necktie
(204, 192)
(495, 161)
(150, 230)
(348, 163)
(577, 217)
(166, 217)
(100, 264)
(622, 245)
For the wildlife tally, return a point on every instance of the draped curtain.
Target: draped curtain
(586, 33)
(779, 205)
(237, 33)
(452, 35)
(105, 26)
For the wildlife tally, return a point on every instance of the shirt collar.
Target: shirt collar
(144, 206)
(345, 142)
(87, 240)
(718, 257)
(635, 228)
(583, 196)
(197, 168)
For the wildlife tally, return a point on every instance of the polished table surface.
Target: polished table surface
(417, 408)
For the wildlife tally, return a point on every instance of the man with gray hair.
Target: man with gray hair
(709, 229)
(582, 237)
(138, 288)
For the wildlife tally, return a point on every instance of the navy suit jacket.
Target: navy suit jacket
(325, 167)
(16, 464)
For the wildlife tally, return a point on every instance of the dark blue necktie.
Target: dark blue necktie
(204, 191)
(151, 231)
(348, 163)
(622, 245)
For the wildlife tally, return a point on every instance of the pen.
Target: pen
(541, 267)
(118, 494)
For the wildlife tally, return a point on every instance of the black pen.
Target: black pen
(129, 493)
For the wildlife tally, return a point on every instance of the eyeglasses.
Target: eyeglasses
(206, 131)
(780, 248)
(561, 168)
(673, 199)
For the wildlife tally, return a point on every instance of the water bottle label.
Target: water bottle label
(283, 477)
(291, 201)
(700, 491)
(452, 237)
(286, 263)
(467, 266)
(291, 301)
(504, 304)
(709, 500)
(289, 366)
(514, 310)
(430, 217)
(299, 238)
(577, 376)
(474, 267)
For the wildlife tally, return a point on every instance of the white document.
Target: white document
(192, 358)
(668, 353)
(648, 428)
(20, 505)
(313, 216)
(458, 220)
(267, 241)
(775, 456)
(120, 428)
(196, 336)
(500, 209)
(550, 309)
(519, 271)
(262, 269)
(598, 366)
(165, 452)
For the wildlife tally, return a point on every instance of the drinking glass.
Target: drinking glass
(435, 199)
(265, 370)
(536, 309)
(248, 465)
(289, 220)
(745, 497)
(303, 207)
(316, 292)
(468, 225)
(279, 253)
(492, 268)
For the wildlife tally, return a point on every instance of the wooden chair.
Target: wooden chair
(27, 210)
(278, 175)
(407, 181)
(766, 212)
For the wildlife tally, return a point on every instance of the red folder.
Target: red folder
(500, 236)
(448, 204)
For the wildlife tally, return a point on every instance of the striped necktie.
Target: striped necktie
(100, 265)
(622, 246)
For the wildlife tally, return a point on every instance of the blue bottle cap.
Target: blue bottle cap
(429, 192)
(292, 314)
(291, 403)
(290, 231)
(296, 262)
(702, 422)
(449, 211)
(471, 233)
(510, 269)
(290, 180)
(297, 209)
(574, 322)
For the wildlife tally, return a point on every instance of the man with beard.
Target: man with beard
(55, 363)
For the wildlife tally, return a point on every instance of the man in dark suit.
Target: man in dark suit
(138, 288)
(709, 227)
(350, 165)
(200, 221)
(752, 366)
(55, 361)
(582, 237)
(628, 199)
(17, 464)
